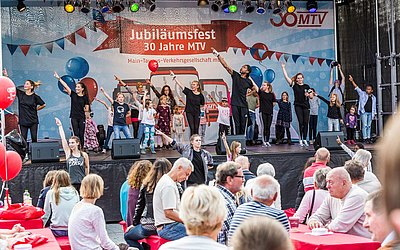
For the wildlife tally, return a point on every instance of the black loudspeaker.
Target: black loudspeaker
(328, 139)
(45, 152)
(220, 149)
(125, 149)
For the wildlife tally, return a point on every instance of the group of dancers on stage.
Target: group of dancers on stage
(166, 117)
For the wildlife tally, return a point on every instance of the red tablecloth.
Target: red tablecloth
(333, 241)
(51, 244)
(27, 224)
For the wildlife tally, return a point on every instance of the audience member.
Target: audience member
(313, 199)
(48, 181)
(260, 233)
(202, 211)
(243, 161)
(143, 220)
(300, 184)
(60, 200)
(166, 200)
(364, 157)
(264, 193)
(265, 169)
(87, 226)
(343, 210)
(377, 223)
(136, 176)
(357, 173)
(350, 152)
(322, 157)
(229, 179)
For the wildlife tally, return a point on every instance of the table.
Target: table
(51, 244)
(330, 242)
(27, 224)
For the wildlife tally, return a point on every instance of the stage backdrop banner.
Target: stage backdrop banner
(42, 40)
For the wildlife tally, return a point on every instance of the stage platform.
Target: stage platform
(287, 160)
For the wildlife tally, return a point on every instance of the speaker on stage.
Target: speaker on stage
(125, 149)
(328, 139)
(220, 149)
(45, 152)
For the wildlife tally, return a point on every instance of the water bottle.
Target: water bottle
(5, 201)
(27, 198)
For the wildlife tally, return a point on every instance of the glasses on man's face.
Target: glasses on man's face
(239, 176)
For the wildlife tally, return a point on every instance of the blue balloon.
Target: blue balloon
(69, 81)
(77, 67)
(269, 75)
(257, 75)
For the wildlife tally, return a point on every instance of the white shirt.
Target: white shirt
(148, 117)
(306, 203)
(223, 115)
(166, 196)
(193, 242)
(389, 238)
(110, 117)
(87, 228)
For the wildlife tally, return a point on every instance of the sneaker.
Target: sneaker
(267, 144)
(311, 142)
(104, 151)
(305, 143)
(153, 152)
(143, 151)
(301, 143)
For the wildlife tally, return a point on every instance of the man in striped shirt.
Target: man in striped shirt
(264, 193)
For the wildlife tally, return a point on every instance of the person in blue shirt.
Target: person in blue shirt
(366, 108)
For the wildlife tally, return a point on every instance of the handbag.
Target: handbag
(311, 209)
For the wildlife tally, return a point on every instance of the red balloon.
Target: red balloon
(7, 92)
(13, 165)
(2, 156)
(153, 65)
(91, 87)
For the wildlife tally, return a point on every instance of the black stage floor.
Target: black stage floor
(287, 160)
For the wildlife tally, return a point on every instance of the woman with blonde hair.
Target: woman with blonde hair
(59, 203)
(47, 182)
(143, 220)
(257, 233)
(203, 211)
(137, 174)
(87, 226)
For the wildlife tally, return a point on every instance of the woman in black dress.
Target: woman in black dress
(301, 104)
(267, 103)
(79, 105)
(194, 99)
(166, 90)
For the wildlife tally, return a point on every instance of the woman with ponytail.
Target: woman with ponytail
(59, 202)
(77, 160)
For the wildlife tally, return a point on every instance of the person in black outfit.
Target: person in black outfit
(240, 83)
(301, 104)
(165, 90)
(194, 99)
(28, 105)
(79, 105)
(334, 115)
(267, 103)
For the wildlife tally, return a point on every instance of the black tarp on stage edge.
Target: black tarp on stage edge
(288, 167)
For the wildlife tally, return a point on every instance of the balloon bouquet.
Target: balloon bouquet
(10, 161)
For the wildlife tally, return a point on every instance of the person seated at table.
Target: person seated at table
(87, 226)
(264, 193)
(47, 182)
(60, 200)
(243, 161)
(370, 180)
(322, 157)
(343, 210)
(264, 169)
(357, 173)
(202, 211)
(260, 233)
(143, 221)
(166, 200)
(376, 221)
(313, 199)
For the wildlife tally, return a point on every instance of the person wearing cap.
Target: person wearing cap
(223, 115)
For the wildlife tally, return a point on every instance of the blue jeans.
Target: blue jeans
(140, 132)
(173, 231)
(148, 136)
(333, 124)
(366, 121)
(59, 233)
(250, 129)
(137, 233)
(110, 130)
(124, 129)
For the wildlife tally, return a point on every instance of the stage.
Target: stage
(287, 160)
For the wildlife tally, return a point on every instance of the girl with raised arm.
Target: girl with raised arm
(194, 99)
(77, 161)
(301, 104)
(110, 118)
(79, 105)
(166, 90)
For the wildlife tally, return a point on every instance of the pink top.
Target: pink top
(306, 202)
(308, 179)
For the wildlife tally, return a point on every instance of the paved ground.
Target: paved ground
(115, 232)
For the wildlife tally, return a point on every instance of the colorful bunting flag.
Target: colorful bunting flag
(328, 62)
(81, 32)
(60, 43)
(235, 50)
(312, 60)
(25, 49)
(286, 57)
(49, 46)
(71, 37)
(37, 49)
(320, 61)
(303, 59)
(295, 57)
(278, 55)
(12, 48)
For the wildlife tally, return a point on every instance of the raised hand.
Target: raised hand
(101, 89)
(283, 65)
(339, 142)
(215, 52)
(56, 75)
(5, 73)
(117, 78)
(149, 82)
(351, 78)
(171, 73)
(58, 122)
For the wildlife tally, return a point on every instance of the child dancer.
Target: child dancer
(178, 125)
(204, 121)
(314, 107)
(148, 121)
(267, 103)
(110, 117)
(351, 124)
(164, 117)
(252, 103)
(223, 115)
(91, 142)
(233, 151)
(334, 115)
(283, 119)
